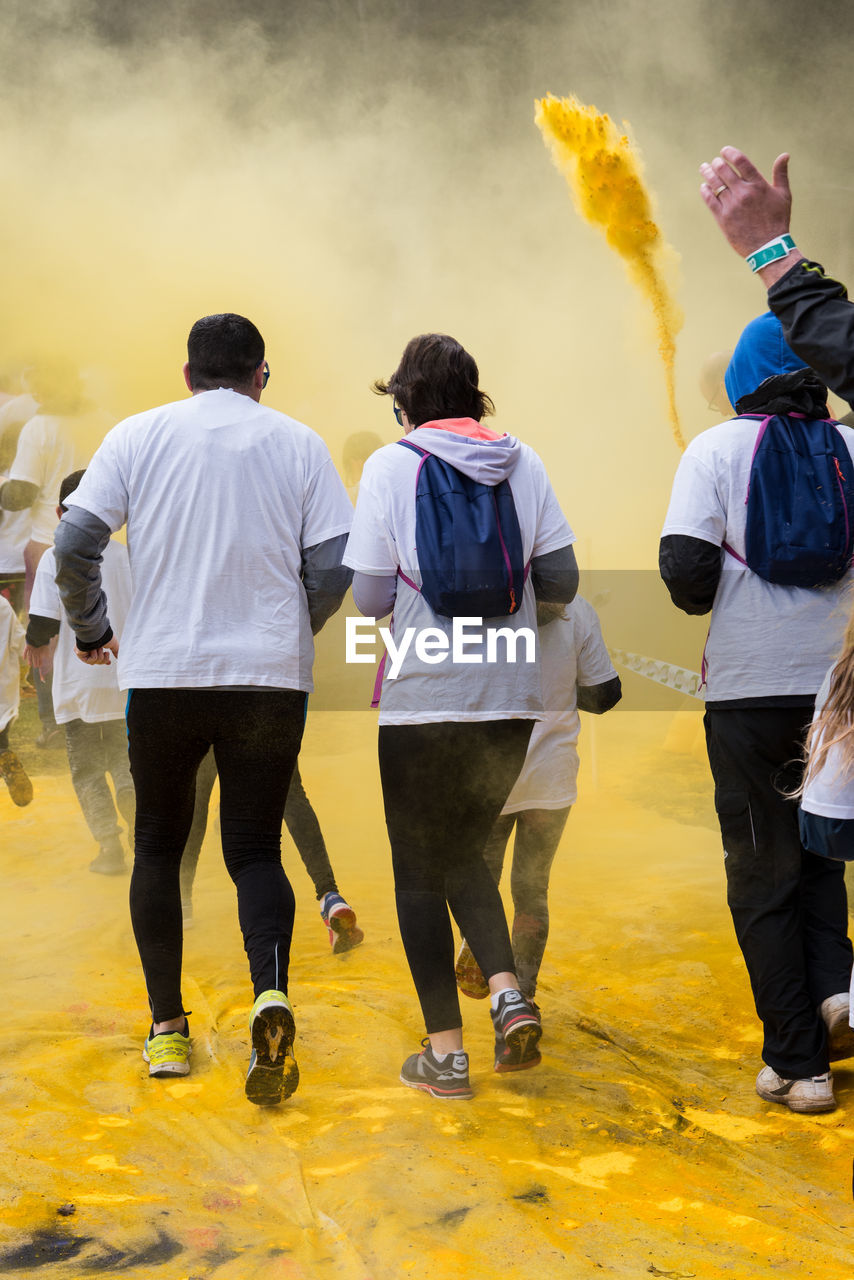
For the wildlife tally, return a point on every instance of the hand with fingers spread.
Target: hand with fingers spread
(750, 211)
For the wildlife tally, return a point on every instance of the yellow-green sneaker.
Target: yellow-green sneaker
(273, 1073)
(168, 1054)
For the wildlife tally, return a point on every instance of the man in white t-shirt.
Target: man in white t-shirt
(236, 523)
(768, 648)
(87, 702)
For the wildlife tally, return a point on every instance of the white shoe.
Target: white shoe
(812, 1094)
(835, 1011)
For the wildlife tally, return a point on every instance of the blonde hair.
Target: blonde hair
(833, 727)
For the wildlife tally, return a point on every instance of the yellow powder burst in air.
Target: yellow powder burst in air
(605, 176)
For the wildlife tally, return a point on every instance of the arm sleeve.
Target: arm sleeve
(325, 579)
(599, 698)
(326, 511)
(103, 491)
(17, 495)
(691, 570)
(79, 544)
(41, 630)
(554, 576)
(818, 322)
(374, 595)
(371, 547)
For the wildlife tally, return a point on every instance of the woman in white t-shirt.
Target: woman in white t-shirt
(455, 718)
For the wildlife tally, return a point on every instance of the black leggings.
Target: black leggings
(538, 833)
(256, 739)
(444, 785)
(300, 820)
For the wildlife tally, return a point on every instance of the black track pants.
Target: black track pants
(789, 906)
(256, 738)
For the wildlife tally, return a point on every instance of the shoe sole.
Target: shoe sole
(840, 1037)
(501, 1067)
(344, 933)
(807, 1107)
(522, 1040)
(444, 1095)
(274, 1075)
(163, 1070)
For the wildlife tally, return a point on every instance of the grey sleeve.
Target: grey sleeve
(374, 594)
(79, 543)
(325, 579)
(554, 576)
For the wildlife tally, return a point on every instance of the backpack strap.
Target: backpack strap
(760, 433)
(424, 455)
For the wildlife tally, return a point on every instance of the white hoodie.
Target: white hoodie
(437, 684)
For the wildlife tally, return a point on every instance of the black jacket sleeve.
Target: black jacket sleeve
(691, 569)
(818, 321)
(599, 698)
(41, 630)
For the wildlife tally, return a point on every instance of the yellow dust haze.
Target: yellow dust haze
(605, 176)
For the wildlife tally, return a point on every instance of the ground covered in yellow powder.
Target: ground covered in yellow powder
(638, 1148)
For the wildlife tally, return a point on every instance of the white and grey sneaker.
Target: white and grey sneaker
(836, 1014)
(812, 1094)
(445, 1077)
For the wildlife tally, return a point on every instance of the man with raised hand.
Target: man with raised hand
(814, 310)
(236, 522)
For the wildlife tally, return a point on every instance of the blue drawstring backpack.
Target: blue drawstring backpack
(800, 503)
(468, 541)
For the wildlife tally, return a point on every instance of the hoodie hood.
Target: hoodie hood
(761, 352)
(472, 448)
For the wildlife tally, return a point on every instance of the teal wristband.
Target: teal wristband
(779, 247)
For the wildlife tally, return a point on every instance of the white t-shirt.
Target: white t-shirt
(764, 640)
(81, 692)
(220, 496)
(572, 652)
(11, 652)
(14, 535)
(382, 541)
(49, 449)
(830, 794)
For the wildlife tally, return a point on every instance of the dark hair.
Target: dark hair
(68, 485)
(223, 351)
(436, 378)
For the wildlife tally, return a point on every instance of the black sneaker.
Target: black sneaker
(446, 1079)
(517, 1024)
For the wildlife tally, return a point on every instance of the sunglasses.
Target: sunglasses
(266, 375)
(398, 413)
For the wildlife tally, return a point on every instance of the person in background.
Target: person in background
(87, 703)
(301, 821)
(12, 645)
(453, 735)
(358, 447)
(229, 584)
(577, 675)
(49, 447)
